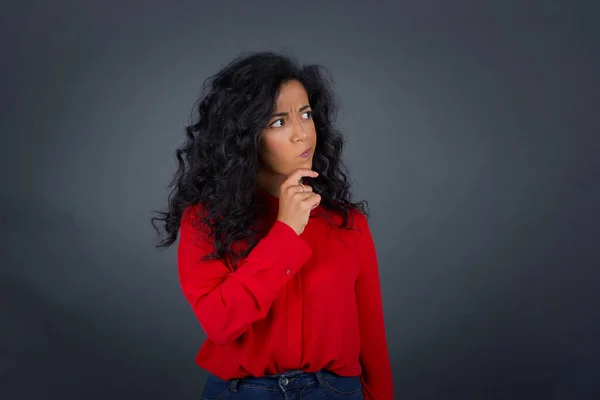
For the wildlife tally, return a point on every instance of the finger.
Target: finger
(304, 196)
(313, 200)
(291, 190)
(298, 174)
(305, 199)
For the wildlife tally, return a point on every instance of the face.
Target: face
(288, 133)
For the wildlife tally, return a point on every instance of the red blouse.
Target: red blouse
(307, 302)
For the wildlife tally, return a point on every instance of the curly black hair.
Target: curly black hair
(218, 163)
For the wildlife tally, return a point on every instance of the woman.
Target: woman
(277, 263)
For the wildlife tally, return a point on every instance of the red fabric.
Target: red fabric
(306, 302)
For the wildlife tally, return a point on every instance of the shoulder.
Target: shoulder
(190, 214)
(358, 219)
(193, 228)
(191, 211)
(193, 218)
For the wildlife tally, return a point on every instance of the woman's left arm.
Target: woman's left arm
(376, 373)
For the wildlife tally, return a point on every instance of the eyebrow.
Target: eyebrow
(283, 114)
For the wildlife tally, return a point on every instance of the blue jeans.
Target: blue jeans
(289, 385)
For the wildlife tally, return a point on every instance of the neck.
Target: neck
(269, 181)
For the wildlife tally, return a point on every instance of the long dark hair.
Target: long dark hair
(217, 164)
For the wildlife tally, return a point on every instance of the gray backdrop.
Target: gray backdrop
(472, 130)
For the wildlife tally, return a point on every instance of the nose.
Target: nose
(299, 131)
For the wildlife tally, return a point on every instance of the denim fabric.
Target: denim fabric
(289, 385)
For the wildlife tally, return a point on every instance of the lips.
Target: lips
(306, 152)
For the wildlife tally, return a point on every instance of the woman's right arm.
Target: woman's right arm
(226, 303)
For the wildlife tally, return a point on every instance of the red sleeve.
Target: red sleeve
(376, 373)
(226, 303)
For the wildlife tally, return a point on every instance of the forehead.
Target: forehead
(292, 93)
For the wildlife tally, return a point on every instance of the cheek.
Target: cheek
(279, 152)
(273, 151)
(312, 130)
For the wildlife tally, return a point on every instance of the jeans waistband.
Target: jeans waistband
(290, 374)
(283, 381)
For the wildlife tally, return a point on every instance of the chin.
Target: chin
(302, 164)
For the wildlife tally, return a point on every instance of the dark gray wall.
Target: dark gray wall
(472, 130)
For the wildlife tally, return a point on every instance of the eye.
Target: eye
(308, 113)
(276, 122)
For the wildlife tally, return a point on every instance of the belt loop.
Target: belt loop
(320, 379)
(233, 384)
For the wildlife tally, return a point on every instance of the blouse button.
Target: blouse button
(287, 271)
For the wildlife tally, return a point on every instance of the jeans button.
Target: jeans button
(284, 381)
